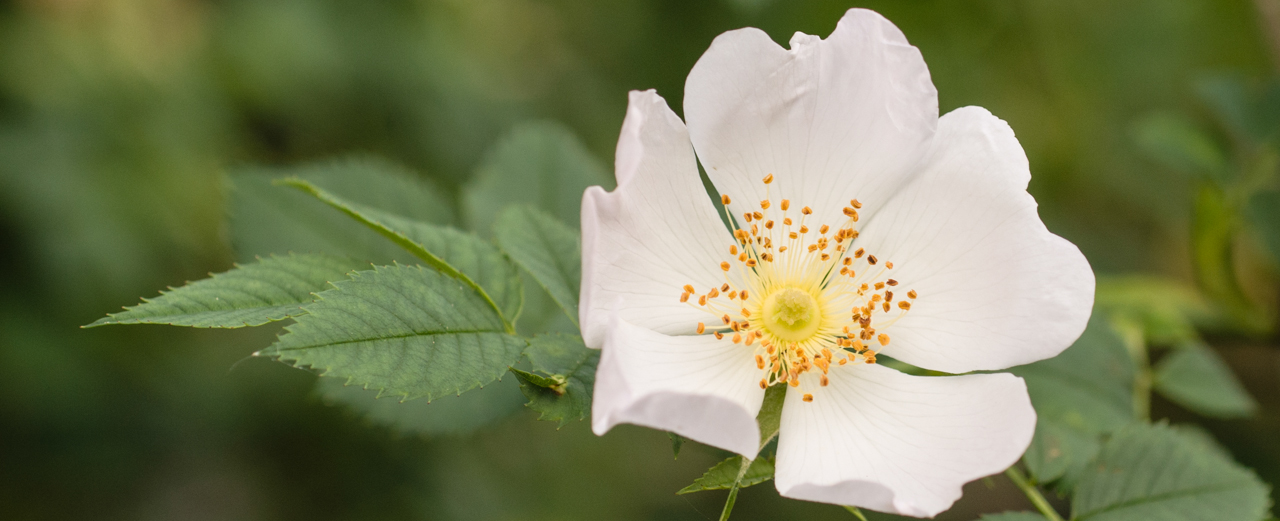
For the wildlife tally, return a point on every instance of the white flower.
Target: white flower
(863, 223)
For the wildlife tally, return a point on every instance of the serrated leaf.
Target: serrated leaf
(539, 163)
(723, 474)
(563, 377)
(1089, 386)
(1195, 377)
(548, 250)
(1149, 472)
(265, 218)
(405, 330)
(456, 254)
(1013, 516)
(1059, 452)
(447, 415)
(268, 290)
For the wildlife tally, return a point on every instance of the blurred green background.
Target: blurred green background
(118, 119)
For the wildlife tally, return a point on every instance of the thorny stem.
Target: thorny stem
(1033, 494)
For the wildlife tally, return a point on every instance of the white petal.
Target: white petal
(655, 233)
(887, 441)
(832, 119)
(996, 288)
(696, 386)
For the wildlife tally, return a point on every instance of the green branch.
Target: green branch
(1033, 494)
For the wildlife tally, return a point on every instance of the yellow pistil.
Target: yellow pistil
(802, 303)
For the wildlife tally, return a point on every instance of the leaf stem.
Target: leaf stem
(1033, 494)
(733, 491)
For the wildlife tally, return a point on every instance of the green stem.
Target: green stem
(733, 491)
(856, 512)
(1033, 494)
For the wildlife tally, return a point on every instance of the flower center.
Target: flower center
(791, 314)
(813, 301)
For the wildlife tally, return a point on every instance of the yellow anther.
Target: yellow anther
(751, 263)
(891, 282)
(768, 225)
(733, 249)
(886, 307)
(883, 338)
(854, 203)
(688, 288)
(911, 294)
(823, 229)
(737, 338)
(808, 397)
(804, 229)
(747, 216)
(759, 362)
(859, 253)
(713, 293)
(718, 335)
(888, 265)
(763, 384)
(853, 214)
(785, 205)
(823, 380)
(871, 259)
(684, 297)
(782, 249)
(879, 285)
(806, 210)
(726, 319)
(724, 199)
(768, 179)
(757, 215)
(744, 295)
(786, 221)
(702, 301)
(904, 305)
(701, 327)
(723, 265)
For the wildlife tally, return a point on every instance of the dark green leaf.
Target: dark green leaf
(254, 294)
(563, 377)
(460, 255)
(1089, 386)
(446, 415)
(1147, 472)
(1195, 377)
(677, 441)
(1013, 516)
(404, 330)
(722, 475)
(546, 249)
(539, 163)
(1057, 451)
(265, 218)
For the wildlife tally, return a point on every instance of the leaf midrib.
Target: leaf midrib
(415, 334)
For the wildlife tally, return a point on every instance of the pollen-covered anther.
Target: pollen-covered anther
(764, 205)
(808, 397)
(684, 297)
(701, 328)
(904, 305)
(713, 293)
(871, 259)
(724, 199)
(725, 266)
(737, 338)
(823, 229)
(768, 225)
(702, 300)
(883, 339)
(768, 179)
(911, 294)
(806, 210)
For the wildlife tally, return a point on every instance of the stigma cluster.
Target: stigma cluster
(849, 298)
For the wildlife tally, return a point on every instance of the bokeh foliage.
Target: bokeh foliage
(120, 120)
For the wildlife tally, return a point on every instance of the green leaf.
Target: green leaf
(1149, 472)
(1182, 146)
(770, 416)
(265, 218)
(1013, 516)
(1082, 393)
(539, 163)
(404, 330)
(1058, 451)
(548, 250)
(268, 290)
(1088, 386)
(677, 441)
(456, 254)
(562, 392)
(1196, 378)
(1264, 214)
(447, 415)
(722, 475)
